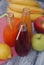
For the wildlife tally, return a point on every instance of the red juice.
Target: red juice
(22, 45)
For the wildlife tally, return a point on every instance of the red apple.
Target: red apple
(39, 24)
(11, 33)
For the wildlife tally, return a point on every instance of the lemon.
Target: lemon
(5, 51)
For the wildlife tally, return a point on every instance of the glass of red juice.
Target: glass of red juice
(22, 45)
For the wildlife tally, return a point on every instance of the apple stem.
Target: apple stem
(21, 27)
(40, 37)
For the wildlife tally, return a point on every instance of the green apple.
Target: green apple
(38, 42)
